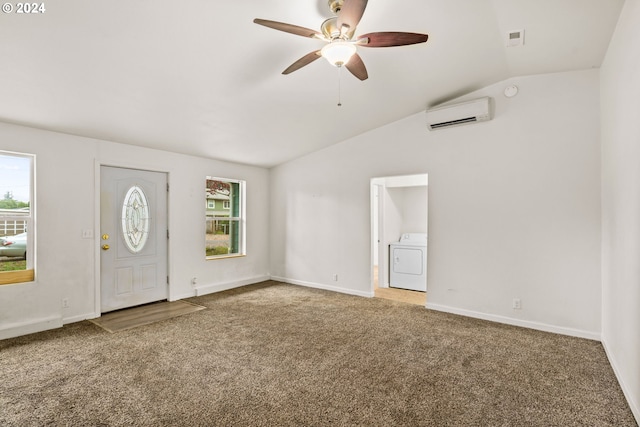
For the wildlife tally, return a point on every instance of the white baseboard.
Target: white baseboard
(323, 286)
(182, 296)
(31, 327)
(79, 318)
(219, 287)
(633, 403)
(516, 322)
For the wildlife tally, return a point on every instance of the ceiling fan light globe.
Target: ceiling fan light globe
(338, 53)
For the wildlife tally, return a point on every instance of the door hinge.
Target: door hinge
(167, 187)
(167, 233)
(167, 280)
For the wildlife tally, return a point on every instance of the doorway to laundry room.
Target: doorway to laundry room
(399, 236)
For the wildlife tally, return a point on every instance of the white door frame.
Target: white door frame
(377, 229)
(97, 311)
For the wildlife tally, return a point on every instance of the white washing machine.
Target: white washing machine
(408, 259)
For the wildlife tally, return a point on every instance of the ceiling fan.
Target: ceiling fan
(339, 32)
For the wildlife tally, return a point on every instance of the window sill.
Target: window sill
(14, 277)
(210, 258)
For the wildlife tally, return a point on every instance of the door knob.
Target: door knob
(105, 247)
(105, 237)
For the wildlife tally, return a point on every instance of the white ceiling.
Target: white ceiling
(199, 77)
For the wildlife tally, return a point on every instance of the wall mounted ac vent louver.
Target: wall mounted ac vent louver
(477, 110)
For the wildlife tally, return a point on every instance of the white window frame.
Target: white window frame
(241, 219)
(28, 275)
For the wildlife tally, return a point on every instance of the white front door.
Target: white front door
(133, 240)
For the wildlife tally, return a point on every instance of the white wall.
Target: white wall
(66, 204)
(514, 207)
(620, 110)
(405, 211)
(393, 215)
(414, 210)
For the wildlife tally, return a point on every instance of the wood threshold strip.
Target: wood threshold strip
(143, 315)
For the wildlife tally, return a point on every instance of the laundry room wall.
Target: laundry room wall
(405, 211)
(404, 202)
(393, 223)
(414, 209)
(514, 207)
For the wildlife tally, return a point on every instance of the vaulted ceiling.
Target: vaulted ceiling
(199, 77)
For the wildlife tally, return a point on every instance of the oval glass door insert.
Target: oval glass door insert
(135, 219)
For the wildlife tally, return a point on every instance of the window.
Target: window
(211, 204)
(225, 228)
(17, 229)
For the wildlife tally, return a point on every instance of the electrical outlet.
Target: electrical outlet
(517, 304)
(194, 281)
(65, 302)
(335, 278)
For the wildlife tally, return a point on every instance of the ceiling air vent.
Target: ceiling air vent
(445, 116)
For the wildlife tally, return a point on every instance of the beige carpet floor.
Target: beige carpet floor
(273, 354)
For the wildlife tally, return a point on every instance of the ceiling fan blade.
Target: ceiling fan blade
(289, 28)
(391, 38)
(356, 67)
(305, 60)
(351, 13)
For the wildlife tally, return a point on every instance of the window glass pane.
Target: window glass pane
(15, 217)
(15, 184)
(135, 219)
(222, 237)
(235, 199)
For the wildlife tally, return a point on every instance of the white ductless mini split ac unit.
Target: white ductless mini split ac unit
(463, 113)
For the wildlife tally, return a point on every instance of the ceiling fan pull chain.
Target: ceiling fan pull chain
(339, 86)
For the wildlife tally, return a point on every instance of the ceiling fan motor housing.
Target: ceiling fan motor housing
(331, 31)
